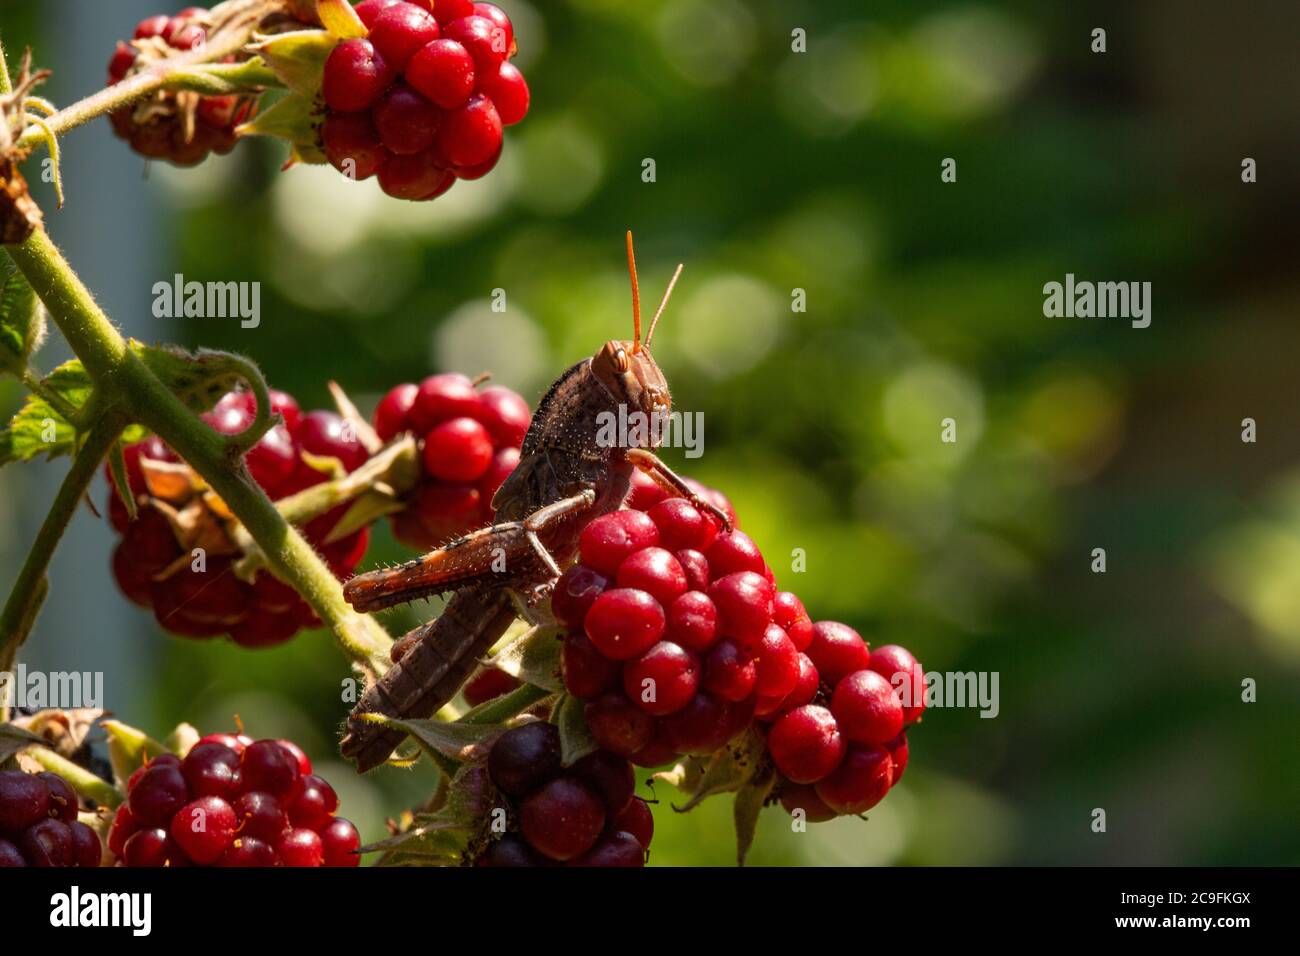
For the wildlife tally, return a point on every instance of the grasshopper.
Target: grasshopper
(564, 479)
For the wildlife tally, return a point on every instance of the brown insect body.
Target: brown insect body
(564, 479)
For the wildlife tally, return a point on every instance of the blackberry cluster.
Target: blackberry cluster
(841, 750)
(39, 825)
(677, 637)
(182, 128)
(421, 100)
(153, 564)
(583, 815)
(232, 801)
(469, 444)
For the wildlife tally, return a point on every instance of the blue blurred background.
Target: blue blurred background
(819, 171)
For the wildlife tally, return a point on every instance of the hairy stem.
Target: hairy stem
(121, 377)
(30, 589)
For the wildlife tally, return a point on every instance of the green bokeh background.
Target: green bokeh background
(820, 171)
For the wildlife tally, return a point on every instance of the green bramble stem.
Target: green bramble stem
(32, 585)
(121, 379)
(79, 778)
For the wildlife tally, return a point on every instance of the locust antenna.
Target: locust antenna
(636, 295)
(662, 305)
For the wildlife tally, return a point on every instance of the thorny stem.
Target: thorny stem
(31, 587)
(122, 378)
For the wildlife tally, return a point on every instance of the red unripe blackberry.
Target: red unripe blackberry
(837, 650)
(504, 414)
(355, 76)
(86, 848)
(369, 10)
(488, 684)
(701, 727)
(805, 690)
(730, 672)
(248, 851)
(152, 847)
(575, 591)
(399, 31)
(154, 26)
(610, 776)
(443, 71)
(445, 510)
(470, 134)
(898, 755)
(624, 623)
(211, 769)
(637, 820)
(905, 674)
(562, 819)
(587, 672)
(860, 781)
(122, 60)
(485, 41)
(440, 397)
(327, 435)
(509, 93)
(616, 849)
(448, 10)
(273, 460)
(158, 794)
(734, 551)
(696, 567)
(655, 571)
(663, 679)
(416, 177)
(46, 843)
(692, 621)
(806, 744)
(499, 18)
(658, 751)
(788, 611)
(261, 815)
(391, 413)
(120, 831)
(300, 847)
(866, 708)
(268, 767)
(804, 797)
(352, 146)
(457, 450)
(340, 842)
(618, 725)
(405, 120)
(204, 829)
(608, 540)
(744, 602)
(315, 805)
(524, 757)
(645, 492)
(266, 628)
(236, 742)
(778, 663)
(681, 525)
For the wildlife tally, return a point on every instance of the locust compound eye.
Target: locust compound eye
(621, 361)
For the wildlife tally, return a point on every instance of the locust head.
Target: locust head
(627, 369)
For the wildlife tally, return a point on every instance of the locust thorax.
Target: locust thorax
(629, 373)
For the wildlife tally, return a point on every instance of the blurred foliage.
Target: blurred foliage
(819, 171)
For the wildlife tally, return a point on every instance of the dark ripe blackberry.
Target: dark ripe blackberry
(525, 757)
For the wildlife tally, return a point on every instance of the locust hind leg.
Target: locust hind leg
(663, 476)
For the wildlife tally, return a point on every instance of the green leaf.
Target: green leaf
(458, 741)
(575, 738)
(41, 429)
(534, 658)
(728, 770)
(22, 319)
(293, 118)
(298, 58)
(128, 748)
(15, 740)
(749, 804)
